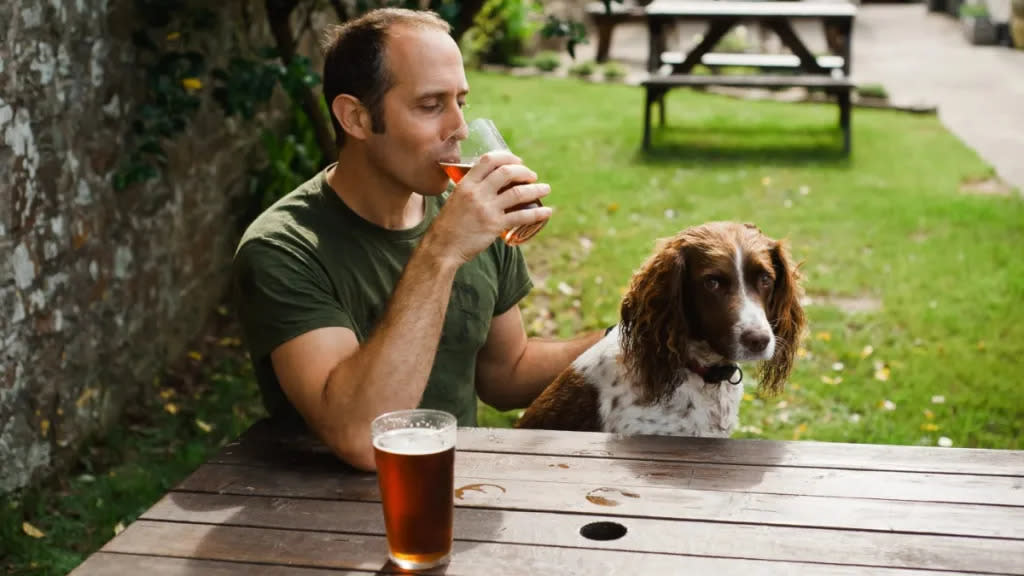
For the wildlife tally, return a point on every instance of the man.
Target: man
(365, 290)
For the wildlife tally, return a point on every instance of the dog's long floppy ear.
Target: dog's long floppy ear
(653, 327)
(787, 319)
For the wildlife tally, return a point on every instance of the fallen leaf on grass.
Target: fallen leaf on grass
(118, 528)
(32, 530)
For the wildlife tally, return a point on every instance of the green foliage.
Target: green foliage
(614, 71)
(172, 83)
(547, 61)
(500, 32)
(582, 69)
(969, 10)
(872, 90)
(176, 78)
(574, 32)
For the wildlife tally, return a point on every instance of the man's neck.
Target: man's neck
(372, 196)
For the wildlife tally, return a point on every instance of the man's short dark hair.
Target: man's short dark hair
(355, 62)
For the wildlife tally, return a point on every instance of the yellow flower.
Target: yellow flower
(882, 374)
(191, 84)
(748, 397)
(167, 393)
(195, 356)
(929, 427)
(799, 430)
(204, 426)
(824, 336)
(44, 427)
(171, 408)
(174, 35)
(929, 414)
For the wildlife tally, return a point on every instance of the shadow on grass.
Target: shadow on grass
(756, 144)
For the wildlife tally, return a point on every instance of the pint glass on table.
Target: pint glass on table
(415, 456)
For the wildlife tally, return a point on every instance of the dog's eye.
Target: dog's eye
(765, 280)
(712, 284)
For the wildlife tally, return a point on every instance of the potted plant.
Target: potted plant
(976, 23)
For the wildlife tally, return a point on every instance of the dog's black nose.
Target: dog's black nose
(754, 340)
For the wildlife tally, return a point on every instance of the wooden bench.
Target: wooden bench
(657, 86)
(606, 23)
(718, 60)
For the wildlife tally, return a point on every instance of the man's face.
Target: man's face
(422, 111)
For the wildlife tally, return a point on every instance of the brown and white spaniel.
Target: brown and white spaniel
(708, 298)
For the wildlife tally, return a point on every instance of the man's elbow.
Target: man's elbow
(497, 401)
(354, 449)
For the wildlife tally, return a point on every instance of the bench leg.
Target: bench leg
(604, 40)
(844, 118)
(648, 97)
(661, 106)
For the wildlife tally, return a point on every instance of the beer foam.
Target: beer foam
(414, 441)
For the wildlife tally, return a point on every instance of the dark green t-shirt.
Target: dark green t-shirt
(310, 262)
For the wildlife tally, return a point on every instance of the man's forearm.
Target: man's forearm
(390, 370)
(542, 360)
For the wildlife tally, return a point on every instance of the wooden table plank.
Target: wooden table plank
(107, 563)
(647, 502)
(974, 461)
(725, 9)
(362, 552)
(920, 487)
(759, 542)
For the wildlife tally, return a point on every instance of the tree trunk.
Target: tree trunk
(467, 11)
(278, 14)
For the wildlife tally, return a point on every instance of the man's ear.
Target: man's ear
(352, 115)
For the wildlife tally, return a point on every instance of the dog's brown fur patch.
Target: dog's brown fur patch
(569, 403)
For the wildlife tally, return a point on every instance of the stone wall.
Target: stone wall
(99, 288)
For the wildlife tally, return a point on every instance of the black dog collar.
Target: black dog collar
(730, 373)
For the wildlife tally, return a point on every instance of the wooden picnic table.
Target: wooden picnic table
(831, 74)
(279, 503)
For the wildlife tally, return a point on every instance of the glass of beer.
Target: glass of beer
(483, 138)
(415, 456)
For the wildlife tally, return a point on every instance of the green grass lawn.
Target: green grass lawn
(916, 328)
(895, 256)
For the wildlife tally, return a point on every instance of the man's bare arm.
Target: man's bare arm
(512, 370)
(340, 387)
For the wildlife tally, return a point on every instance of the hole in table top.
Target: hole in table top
(603, 531)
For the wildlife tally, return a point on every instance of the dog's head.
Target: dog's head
(722, 290)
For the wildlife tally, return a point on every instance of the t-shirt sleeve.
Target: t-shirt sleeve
(281, 295)
(514, 281)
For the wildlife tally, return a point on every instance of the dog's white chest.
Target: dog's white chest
(694, 409)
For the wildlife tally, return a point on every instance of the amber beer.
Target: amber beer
(512, 236)
(415, 456)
